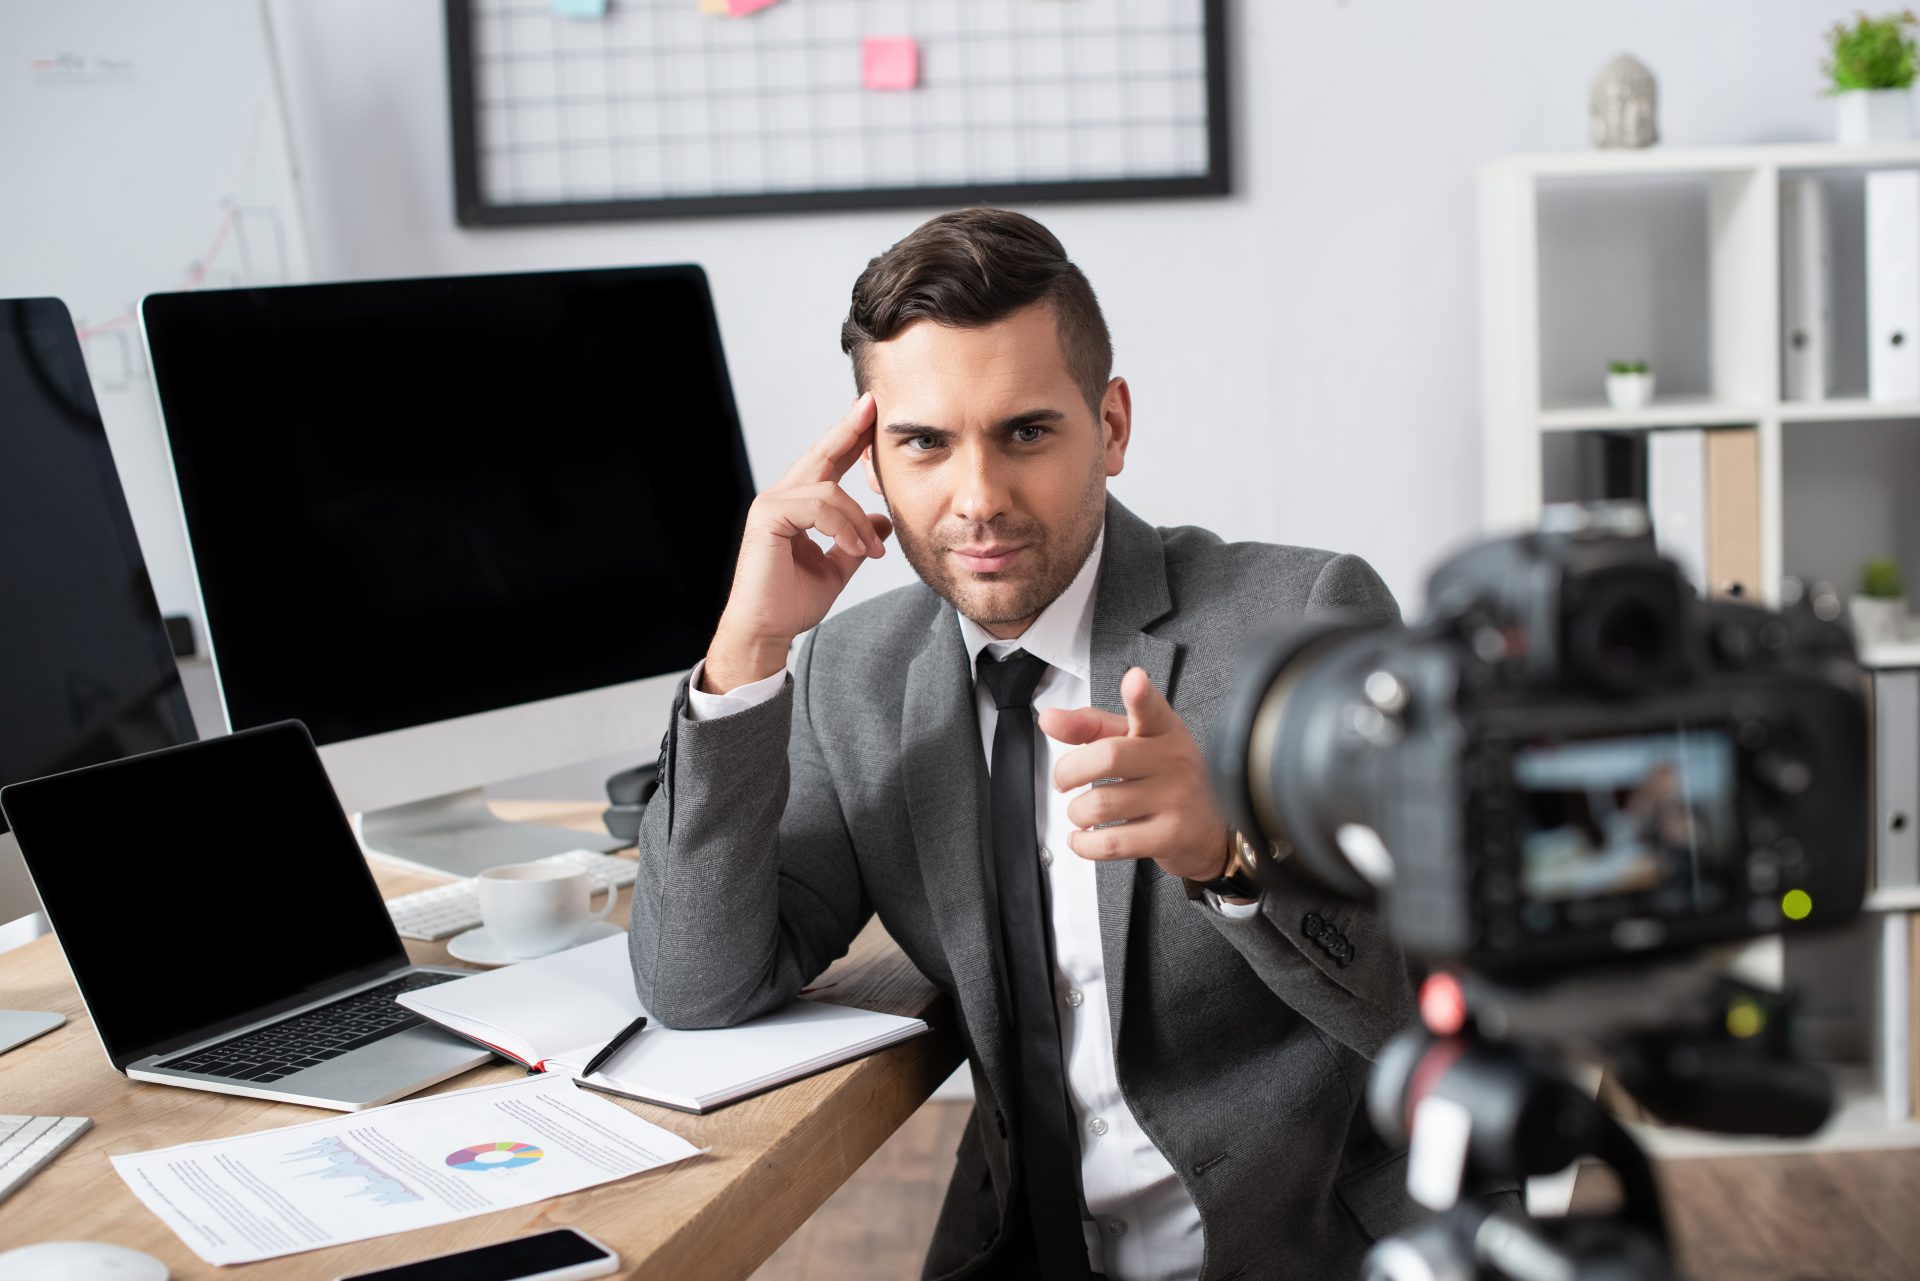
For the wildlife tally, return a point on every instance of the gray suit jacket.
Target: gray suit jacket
(1242, 1046)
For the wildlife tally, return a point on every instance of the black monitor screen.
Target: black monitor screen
(420, 499)
(86, 673)
(198, 888)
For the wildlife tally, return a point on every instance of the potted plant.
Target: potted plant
(1629, 384)
(1870, 70)
(1879, 607)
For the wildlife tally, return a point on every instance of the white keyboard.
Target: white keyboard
(27, 1143)
(447, 910)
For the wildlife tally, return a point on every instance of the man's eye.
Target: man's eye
(923, 444)
(1029, 433)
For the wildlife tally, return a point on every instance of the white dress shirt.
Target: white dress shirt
(1141, 1225)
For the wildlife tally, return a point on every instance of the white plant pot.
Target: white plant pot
(1878, 621)
(1629, 391)
(1874, 115)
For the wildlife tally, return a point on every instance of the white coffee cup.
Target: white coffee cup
(531, 909)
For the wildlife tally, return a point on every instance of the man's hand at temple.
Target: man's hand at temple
(1156, 791)
(783, 582)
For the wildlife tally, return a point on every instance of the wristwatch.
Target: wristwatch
(1235, 882)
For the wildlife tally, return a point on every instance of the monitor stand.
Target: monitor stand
(20, 922)
(457, 835)
(17, 1027)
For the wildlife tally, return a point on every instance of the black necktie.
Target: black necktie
(1048, 1146)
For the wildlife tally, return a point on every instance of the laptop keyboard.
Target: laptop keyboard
(310, 1039)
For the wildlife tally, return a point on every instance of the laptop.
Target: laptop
(223, 927)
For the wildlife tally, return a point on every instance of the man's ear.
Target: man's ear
(873, 473)
(1116, 423)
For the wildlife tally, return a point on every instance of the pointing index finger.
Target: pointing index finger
(1148, 711)
(834, 453)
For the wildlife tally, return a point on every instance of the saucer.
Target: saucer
(476, 946)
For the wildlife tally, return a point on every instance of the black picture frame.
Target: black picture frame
(472, 209)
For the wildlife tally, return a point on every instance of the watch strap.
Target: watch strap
(1235, 883)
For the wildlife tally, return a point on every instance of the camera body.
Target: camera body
(1572, 761)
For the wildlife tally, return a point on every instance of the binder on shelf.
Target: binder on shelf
(1593, 466)
(1613, 465)
(1893, 1044)
(1806, 289)
(1913, 1012)
(1893, 284)
(1677, 498)
(1733, 513)
(1896, 779)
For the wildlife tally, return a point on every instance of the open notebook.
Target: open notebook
(553, 1014)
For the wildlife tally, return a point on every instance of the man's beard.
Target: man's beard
(1052, 559)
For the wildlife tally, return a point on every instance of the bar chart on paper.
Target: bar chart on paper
(654, 107)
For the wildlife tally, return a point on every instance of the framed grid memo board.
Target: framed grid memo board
(658, 109)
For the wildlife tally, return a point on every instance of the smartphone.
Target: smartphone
(564, 1254)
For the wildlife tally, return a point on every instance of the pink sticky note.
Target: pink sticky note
(741, 8)
(890, 62)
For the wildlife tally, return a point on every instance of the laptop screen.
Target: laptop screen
(201, 887)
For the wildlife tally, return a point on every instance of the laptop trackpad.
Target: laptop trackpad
(375, 1072)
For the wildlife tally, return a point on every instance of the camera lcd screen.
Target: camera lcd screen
(1642, 815)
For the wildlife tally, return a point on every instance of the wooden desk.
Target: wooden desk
(774, 1158)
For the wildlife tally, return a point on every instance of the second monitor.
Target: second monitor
(466, 529)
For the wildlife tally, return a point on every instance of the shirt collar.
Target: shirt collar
(1063, 634)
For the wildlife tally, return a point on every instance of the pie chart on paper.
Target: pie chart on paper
(494, 1156)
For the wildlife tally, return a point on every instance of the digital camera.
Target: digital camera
(1572, 760)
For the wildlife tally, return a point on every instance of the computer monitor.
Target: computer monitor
(466, 529)
(86, 672)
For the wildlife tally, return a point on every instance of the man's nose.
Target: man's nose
(981, 492)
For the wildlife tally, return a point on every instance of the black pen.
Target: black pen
(613, 1046)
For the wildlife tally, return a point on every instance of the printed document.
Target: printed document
(393, 1169)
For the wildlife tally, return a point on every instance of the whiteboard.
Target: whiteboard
(144, 150)
(658, 108)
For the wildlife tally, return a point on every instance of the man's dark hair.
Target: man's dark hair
(973, 268)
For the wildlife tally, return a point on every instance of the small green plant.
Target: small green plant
(1628, 367)
(1874, 53)
(1880, 580)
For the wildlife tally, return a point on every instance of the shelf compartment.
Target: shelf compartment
(1678, 271)
(1624, 275)
(1850, 493)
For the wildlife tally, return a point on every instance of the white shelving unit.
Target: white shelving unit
(1674, 256)
(1733, 258)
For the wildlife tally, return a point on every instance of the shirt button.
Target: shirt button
(1075, 996)
(1046, 857)
(1116, 1227)
(1099, 1126)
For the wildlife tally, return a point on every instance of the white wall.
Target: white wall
(1303, 354)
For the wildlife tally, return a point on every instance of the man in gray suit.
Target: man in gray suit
(1001, 761)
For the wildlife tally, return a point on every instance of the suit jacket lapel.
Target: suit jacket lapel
(1132, 593)
(944, 777)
